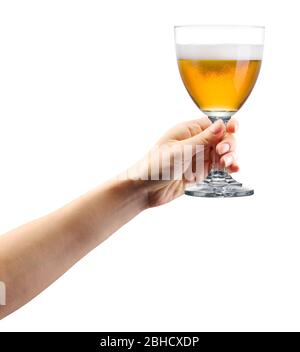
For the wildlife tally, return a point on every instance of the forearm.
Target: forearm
(36, 254)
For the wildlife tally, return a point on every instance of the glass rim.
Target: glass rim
(218, 26)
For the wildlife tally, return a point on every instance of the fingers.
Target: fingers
(185, 130)
(227, 144)
(228, 160)
(226, 148)
(232, 125)
(194, 127)
(204, 122)
(234, 167)
(210, 135)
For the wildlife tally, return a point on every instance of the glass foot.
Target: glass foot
(219, 184)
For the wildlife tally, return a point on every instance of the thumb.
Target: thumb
(209, 136)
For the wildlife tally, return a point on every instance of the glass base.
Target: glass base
(219, 184)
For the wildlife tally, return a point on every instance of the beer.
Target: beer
(219, 78)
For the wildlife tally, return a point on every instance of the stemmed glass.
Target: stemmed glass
(219, 66)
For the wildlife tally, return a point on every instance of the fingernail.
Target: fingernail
(228, 160)
(223, 148)
(216, 127)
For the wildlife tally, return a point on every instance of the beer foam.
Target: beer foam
(219, 51)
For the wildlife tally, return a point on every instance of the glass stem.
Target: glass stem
(215, 164)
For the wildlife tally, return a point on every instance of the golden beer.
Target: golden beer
(219, 78)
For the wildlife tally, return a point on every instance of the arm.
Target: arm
(34, 255)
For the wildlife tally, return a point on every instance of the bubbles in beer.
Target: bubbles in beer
(219, 78)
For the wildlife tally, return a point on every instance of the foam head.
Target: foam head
(219, 52)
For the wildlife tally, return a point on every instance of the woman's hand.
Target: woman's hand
(183, 157)
(34, 255)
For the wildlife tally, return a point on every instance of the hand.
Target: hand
(161, 160)
(36, 254)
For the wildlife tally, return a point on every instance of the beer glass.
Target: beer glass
(219, 66)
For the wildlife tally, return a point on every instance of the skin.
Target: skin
(36, 254)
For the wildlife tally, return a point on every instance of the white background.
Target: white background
(86, 87)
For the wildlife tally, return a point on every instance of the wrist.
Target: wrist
(132, 192)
